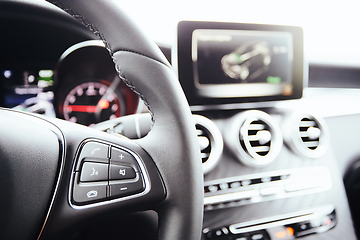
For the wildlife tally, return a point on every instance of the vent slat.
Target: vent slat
(261, 149)
(307, 124)
(311, 144)
(204, 155)
(304, 134)
(256, 127)
(253, 138)
(199, 132)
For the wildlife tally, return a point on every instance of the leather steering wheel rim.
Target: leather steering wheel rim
(172, 142)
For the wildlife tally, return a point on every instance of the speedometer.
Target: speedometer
(93, 102)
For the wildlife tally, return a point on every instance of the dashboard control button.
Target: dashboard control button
(243, 236)
(302, 226)
(213, 188)
(92, 172)
(224, 186)
(235, 184)
(259, 235)
(93, 151)
(119, 156)
(119, 172)
(94, 192)
(268, 191)
(118, 190)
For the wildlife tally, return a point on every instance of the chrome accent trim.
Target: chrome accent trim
(232, 106)
(140, 107)
(174, 53)
(281, 220)
(105, 202)
(231, 196)
(137, 126)
(89, 43)
(217, 143)
(62, 153)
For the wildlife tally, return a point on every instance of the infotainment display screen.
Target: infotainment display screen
(221, 63)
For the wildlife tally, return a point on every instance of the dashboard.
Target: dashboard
(274, 155)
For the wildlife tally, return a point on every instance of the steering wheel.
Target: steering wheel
(57, 176)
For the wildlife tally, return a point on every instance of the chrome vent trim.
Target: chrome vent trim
(309, 135)
(210, 141)
(255, 138)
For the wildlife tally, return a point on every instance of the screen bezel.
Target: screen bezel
(185, 69)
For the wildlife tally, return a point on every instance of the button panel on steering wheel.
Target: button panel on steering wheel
(103, 172)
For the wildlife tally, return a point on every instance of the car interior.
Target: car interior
(230, 133)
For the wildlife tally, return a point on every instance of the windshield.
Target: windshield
(330, 27)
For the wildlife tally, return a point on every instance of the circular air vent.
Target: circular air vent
(255, 138)
(210, 140)
(307, 134)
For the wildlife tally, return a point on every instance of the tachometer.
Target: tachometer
(93, 102)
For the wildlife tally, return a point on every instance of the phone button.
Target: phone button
(90, 192)
(93, 152)
(92, 172)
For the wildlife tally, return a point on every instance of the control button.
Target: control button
(94, 192)
(303, 226)
(213, 188)
(243, 236)
(246, 182)
(235, 184)
(224, 186)
(218, 233)
(93, 151)
(268, 191)
(91, 172)
(118, 172)
(259, 235)
(118, 190)
(119, 156)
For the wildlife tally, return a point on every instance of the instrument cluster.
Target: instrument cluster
(83, 88)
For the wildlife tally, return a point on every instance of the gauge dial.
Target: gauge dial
(92, 102)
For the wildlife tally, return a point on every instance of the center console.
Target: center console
(269, 171)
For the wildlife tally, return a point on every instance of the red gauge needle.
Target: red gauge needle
(102, 104)
(81, 108)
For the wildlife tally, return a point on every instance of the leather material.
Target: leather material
(173, 145)
(172, 142)
(29, 153)
(110, 24)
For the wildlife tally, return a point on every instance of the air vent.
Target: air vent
(255, 138)
(210, 140)
(309, 135)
